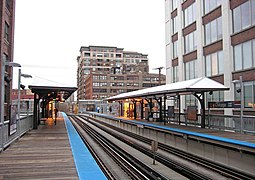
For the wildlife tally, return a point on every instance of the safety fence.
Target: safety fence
(11, 131)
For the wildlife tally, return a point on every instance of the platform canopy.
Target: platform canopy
(48, 92)
(198, 85)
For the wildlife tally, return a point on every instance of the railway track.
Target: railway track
(132, 166)
(221, 169)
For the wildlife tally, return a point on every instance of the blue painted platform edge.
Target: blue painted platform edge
(207, 136)
(86, 166)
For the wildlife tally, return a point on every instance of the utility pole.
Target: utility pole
(159, 73)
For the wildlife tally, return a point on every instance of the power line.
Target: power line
(47, 67)
(51, 81)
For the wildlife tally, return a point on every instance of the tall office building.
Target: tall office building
(105, 71)
(216, 39)
(7, 9)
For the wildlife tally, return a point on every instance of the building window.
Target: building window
(174, 22)
(244, 16)
(8, 4)
(213, 31)
(216, 96)
(175, 74)
(209, 5)
(175, 51)
(190, 100)
(190, 70)
(190, 42)
(244, 55)
(214, 64)
(174, 4)
(249, 94)
(6, 31)
(189, 15)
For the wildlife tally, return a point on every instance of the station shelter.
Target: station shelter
(46, 98)
(151, 102)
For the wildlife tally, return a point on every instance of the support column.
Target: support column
(179, 106)
(121, 108)
(142, 109)
(43, 109)
(150, 105)
(165, 110)
(38, 111)
(201, 99)
(134, 103)
(35, 125)
(160, 109)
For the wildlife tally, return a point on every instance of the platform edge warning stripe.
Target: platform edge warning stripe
(86, 166)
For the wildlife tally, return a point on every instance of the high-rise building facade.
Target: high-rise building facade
(216, 39)
(105, 71)
(7, 11)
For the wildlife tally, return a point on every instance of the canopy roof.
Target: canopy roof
(197, 85)
(48, 92)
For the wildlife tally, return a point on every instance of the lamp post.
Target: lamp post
(240, 81)
(3, 64)
(159, 73)
(19, 83)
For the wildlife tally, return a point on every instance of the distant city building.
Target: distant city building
(24, 94)
(26, 100)
(105, 71)
(7, 14)
(216, 39)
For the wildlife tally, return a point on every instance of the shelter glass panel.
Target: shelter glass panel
(248, 98)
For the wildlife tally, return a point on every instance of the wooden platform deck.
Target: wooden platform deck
(44, 153)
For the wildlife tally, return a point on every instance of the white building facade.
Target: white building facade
(216, 39)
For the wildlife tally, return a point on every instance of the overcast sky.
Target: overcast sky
(49, 34)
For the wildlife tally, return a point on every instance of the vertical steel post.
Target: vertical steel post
(242, 103)
(2, 102)
(19, 130)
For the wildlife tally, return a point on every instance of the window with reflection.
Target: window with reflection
(244, 16)
(175, 51)
(6, 31)
(190, 14)
(175, 74)
(175, 3)
(214, 64)
(213, 31)
(174, 21)
(215, 96)
(244, 55)
(190, 70)
(249, 93)
(209, 5)
(190, 42)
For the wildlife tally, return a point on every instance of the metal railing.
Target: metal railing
(220, 122)
(212, 121)
(22, 126)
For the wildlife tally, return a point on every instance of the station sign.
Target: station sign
(224, 104)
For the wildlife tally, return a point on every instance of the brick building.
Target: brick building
(7, 14)
(105, 71)
(24, 94)
(213, 38)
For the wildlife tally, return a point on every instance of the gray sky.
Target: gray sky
(49, 34)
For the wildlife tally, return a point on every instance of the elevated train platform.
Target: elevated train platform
(49, 152)
(229, 148)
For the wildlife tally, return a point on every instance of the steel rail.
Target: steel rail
(176, 166)
(132, 166)
(101, 164)
(221, 169)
